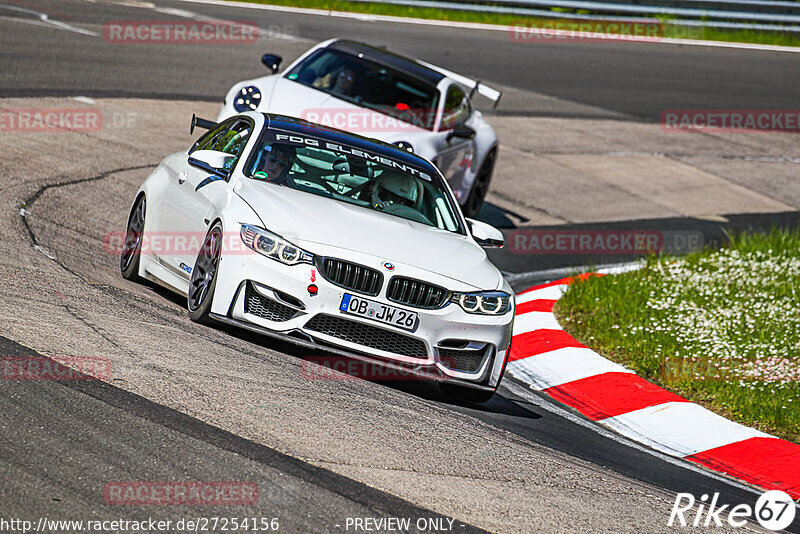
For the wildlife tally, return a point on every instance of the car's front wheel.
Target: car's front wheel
(466, 394)
(481, 186)
(204, 276)
(132, 246)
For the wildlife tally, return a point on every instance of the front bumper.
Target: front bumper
(420, 372)
(266, 296)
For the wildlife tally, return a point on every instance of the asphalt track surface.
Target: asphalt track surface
(635, 79)
(64, 440)
(155, 442)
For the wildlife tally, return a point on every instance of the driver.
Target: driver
(345, 81)
(341, 81)
(395, 190)
(275, 163)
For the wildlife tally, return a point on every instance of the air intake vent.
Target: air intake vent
(352, 276)
(415, 293)
(268, 309)
(465, 360)
(368, 336)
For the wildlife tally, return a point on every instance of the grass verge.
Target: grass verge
(669, 30)
(721, 328)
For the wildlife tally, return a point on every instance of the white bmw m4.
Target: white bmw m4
(329, 240)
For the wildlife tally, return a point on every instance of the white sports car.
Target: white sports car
(375, 93)
(329, 240)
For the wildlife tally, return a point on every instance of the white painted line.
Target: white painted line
(531, 321)
(680, 428)
(541, 276)
(176, 12)
(44, 20)
(549, 293)
(490, 27)
(199, 17)
(622, 268)
(203, 18)
(561, 366)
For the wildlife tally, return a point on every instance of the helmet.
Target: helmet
(396, 188)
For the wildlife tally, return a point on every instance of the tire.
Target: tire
(466, 394)
(204, 277)
(132, 246)
(472, 207)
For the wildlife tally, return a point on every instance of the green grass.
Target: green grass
(721, 328)
(379, 8)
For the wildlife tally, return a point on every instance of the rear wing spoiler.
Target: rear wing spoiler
(202, 123)
(472, 85)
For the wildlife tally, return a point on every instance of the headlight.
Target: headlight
(247, 99)
(483, 302)
(273, 246)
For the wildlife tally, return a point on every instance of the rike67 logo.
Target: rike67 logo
(774, 510)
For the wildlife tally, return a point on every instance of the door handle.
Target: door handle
(181, 178)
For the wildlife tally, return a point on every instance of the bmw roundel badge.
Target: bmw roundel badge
(388, 266)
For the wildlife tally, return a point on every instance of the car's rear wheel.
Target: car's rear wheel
(481, 186)
(204, 276)
(466, 394)
(132, 246)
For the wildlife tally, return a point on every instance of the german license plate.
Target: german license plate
(379, 312)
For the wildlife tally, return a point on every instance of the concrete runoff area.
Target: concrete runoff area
(559, 170)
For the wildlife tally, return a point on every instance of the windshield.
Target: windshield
(355, 176)
(369, 85)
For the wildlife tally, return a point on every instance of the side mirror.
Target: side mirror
(462, 131)
(272, 62)
(213, 162)
(486, 235)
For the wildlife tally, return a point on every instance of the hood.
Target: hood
(306, 219)
(297, 100)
